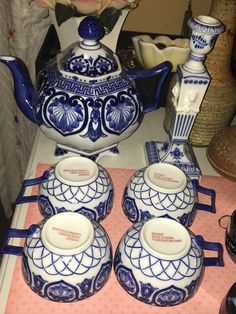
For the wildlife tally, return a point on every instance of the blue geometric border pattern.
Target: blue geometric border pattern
(161, 201)
(209, 29)
(56, 264)
(151, 266)
(51, 78)
(63, 291)
(82, 194)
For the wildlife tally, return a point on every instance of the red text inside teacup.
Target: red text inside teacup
(67, 234)
(164, 181)
(161, 237)
(76, 174)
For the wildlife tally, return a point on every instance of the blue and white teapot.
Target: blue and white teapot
(84, 101)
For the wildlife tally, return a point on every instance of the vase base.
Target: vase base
(64, 151)
(177, 153)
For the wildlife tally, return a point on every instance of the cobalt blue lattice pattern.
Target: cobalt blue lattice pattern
(82, 194)
(160, 201)
(67, 265)
(62, 290)
(152, 267)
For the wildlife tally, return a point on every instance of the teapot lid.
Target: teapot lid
(89, 57)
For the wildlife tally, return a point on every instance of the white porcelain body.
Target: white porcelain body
(148, 54)
(67, 275)
(164, 190)
(75, 184)
(159, 262)
(80, 185)
(144, 198)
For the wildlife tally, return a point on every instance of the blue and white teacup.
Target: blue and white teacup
(75, 184)
(160, 262)
(65, 258)
(164, 190)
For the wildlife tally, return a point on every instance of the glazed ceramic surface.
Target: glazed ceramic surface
(74, 184)
(163, 190)
(84, 101)
(66, 258)
(152, 51)
(160, 262)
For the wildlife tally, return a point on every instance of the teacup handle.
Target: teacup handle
(16, 233)
(30, 182)
(164, 68)
(211, 246)
(200, 189)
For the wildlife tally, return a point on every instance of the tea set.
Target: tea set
(87, 104)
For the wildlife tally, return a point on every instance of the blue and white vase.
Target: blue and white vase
(161, 263)
(66, 258)
(75, 184)
(164, 190)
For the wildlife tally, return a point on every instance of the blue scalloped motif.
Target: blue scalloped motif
(45, 207)
(127, 280)
(102, 276)
(119, 111)
(169, 296)
(61, 291)
(130, 209)
(86, 288)
(146, 292)
(25, 270)
(64, 113)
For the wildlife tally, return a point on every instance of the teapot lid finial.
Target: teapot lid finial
(88, 57)
(91, 28)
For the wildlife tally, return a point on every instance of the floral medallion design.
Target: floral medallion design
(154, 280)
(91, 67)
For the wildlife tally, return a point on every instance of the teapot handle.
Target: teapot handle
(200, 189)
(16, 233)
(164, 68)
(30, 182)
(211, 246)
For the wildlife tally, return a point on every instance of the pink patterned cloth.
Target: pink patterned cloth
(112, 299)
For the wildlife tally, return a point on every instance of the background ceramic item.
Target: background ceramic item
(67, 32)
(75, 184)
(219, 104)
(84, 101)
(66, 258)
(161, 263)
(191, 82)
(152, 51)
(229, 224)
(221, 152)
(164, 190)
(228, 305)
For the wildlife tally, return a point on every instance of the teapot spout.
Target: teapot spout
(23, 88)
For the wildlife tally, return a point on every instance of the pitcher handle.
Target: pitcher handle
(200, 189)
(30, 182)
(16, 233)
(164, 68)
(211, 246)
